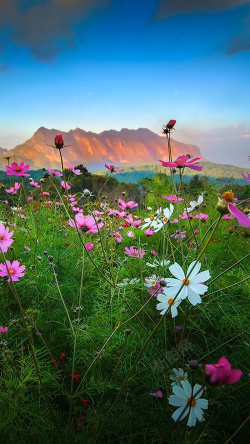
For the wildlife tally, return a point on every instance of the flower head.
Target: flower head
(246, 178)
(59, 142)
(182, 162)
(169, 126)
(221, 373)
(117, 236)
(17, 170)
(65, 185)
(54, 173)
(157, 394)
(166, 302)
(112, 169)
(124, 205)
(179, 375)
(13, 270)
(85, 223)
(173, 198)
(72, 168)
(4, 329)
(133, 252)
(5, 238)
(13, 190)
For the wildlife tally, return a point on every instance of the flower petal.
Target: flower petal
(195, 267)
(200, 277)
(177, 271)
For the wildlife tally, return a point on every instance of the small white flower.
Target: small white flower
(151, 281)
(130, 234)
(194, 204)
(150, 221)
(165, 217)
(157, 263)
(189, 403)
(192, 283)
(127, 282)
(166, 302)
(179, 375)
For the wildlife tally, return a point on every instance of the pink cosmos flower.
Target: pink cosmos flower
(17, 170)
(132, 252)
(157, 394)
(149, 232)
(130, 221)
(29, 199)
(169, 126)
(86, 224)
(117, 236)
(4, 329)
(246, 178)
(111, 168)
(182, 162)
(72, 168)
(45, 194)
(48, 202)
(59, 203)
(15, 270)
(203, 217)
(221, 373)
(54, 173)
(227, 217)
(34, 184)
(241, 217)
(13, 190)
(130, 234)
(5, 238)
(154, 253)
(124, 205)
(173, 198)
(89, 246)
(65, 185)
(117, 213)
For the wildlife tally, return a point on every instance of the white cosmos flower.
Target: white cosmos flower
(165, 216)
(150, 221)
(157, 263)
(166, 302)
(192, 283)
(179, 375)
(193, 204)
(189, 403)
(151, 281)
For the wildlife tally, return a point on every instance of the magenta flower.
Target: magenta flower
(132, 252)
(111, 168)
(149, 232)
(173, 198)
(157, 394)
(182, 162)
(5, 238)
(45, 194)
(13, 270)
(169, 126)
(34, 184)
(54, 173)
(89, 246)
(227, 217)
(65, 185)
(86, 224)
(246, 178)
(4, 329)
(241, 217)
(13, 190)
(221, 373)
(124, 205)
(29, 199)
(72, 168)
(17, 170)
(117, 236)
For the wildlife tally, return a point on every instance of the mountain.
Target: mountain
(125, 147)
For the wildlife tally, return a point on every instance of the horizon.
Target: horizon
(113, 64)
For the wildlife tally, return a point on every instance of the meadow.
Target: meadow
(124, 310)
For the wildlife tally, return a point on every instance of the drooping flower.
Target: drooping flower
(85, 223)
(190, 285)
(13, 270)
(157, 394)
(5, 238)
(164, 217)
(17, 170)
(149, 231)
(166, 302)
(241, 217)
(44, 194)
(179, 375)
(112, 169)
(182, 162)
(189, 402)
(222, 373)
(54, 173)
(13, 190)
(169, 126)
(72, 168)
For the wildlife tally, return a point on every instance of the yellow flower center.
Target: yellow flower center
(18, 169)
(151, 218)
(228, 196)
(170, 301)
(11, 271)
(153, 283)
(1, 237)
(134, 253)
(191, 401)
(165, 219)
(185, 281)
(180, 378)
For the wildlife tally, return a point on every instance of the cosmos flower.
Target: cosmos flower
(221, 373)
(72, 168)
(173, 198)
(13, 270)
(179, 375)
(165, 302)
(124, 205)
(246, 178)
(112, 169)
(65, 185)
(85, 223)
(34, 184)
(190, 285)
(13, 190)
(4, 329)
(133, 252)
(193, 204)
(5, 238)
(157, 394)
(164, 218)
(117, 236)
(17, 170)
(189, 402)
(54, 173)
(182, 162)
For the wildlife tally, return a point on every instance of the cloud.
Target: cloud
(46, 27)
(239, 44)
(168, 8)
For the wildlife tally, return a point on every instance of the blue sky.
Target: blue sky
(102, 64)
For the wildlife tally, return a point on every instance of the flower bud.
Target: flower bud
(127, 331)
(193, 364)
(222, 206)
(86, 192)
(59, 142)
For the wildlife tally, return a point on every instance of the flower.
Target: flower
(157, 394)
(190, 285)
(117, 236)
(221, 373)
(65, 185)
(151, 222)
(166, 129)
(72, 168)
(189, 403)
(246, 178)
(59, 142)
(156, 263)
(242, 218)
(5, 238)
(34, 184)
(111, 168)
(89, 246)
(129, 282)
(166, 214)
(173, 198)
(13, 190)
(193, 204)
(85, 223)
(123, 205)
(149, 232)
(4, 329)
(132, 252)
(54, 173)
(182, 162)
(179, 375)
(13, 270)
(130, 234)
(17, 170)
(165, 302)
(45, 194)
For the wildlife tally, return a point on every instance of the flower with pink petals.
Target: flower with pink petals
(29, 199)
(169, 126)
(222, 373)
(54, 173)
(44, 194)
(13, 270)
(112, 169)
(34, 184)
(130, 234)
(89, 246)
(17, 170)
(227, 217)
(13, 190)
(4, 329)
(157, 394)
(149, 231)
(173, 198)
(182, 162)
(5, 238)
(241, 217)
(85, 223)
(72, 168)
(65, 185)
(133, 252)
(117, 236)
(124, 205)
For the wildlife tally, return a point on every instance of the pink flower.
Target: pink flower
(111, 168)
(72, 168)
(242, 218)
(59, 142)
(173, 198)
(4, 329)
(17, 170)
(154, 253)
(203, 217)
(196, 232)
(149, 232)
(130, 234)
(167, 128)
(132, 252)
(124, 205)
(130, 221)
(117, 236)
(221, 373)
(5, 238)
(227, 217)
(65, 185)
(54, 173)
(34, 184)
(246, 178)
(29, 199)
(45, 194)
(182, 162)
(86, 224)
(15, 270)
(157, 394)
(89, 246)
(13, 190)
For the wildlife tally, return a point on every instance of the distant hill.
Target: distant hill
(125, 147)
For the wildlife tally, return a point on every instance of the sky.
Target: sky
(112, 64)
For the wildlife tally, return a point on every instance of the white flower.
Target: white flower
(150, 221)
(130, 234)
(194, 204)
(189, 403)
(191, 283)
(127, 281)
(179, 375)
(166, 302)
(151, 281)
(157, 263)
(166, 214)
